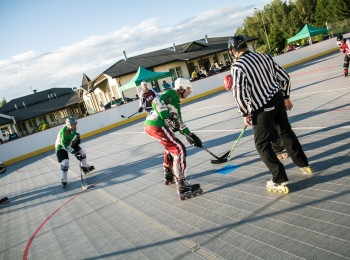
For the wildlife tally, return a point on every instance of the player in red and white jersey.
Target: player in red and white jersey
(344, 44)
(146, 98)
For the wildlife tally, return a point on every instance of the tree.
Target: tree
(3, 102)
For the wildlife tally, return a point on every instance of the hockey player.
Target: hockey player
(344, 44)
(261, 90)
(68, 140)
(146, 98)
(3, 170)
(165, 119)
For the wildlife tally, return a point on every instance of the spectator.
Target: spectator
(278, 52)
(228, 64)
(203, 73)
(289, 48)
(12, 135)
(165, 85)
(212, 69)
(102, 107)
(194, 75)
(155, 88)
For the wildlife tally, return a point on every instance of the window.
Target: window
(63, 113)
(115, 92)
(32, 123)
(53, 117)
(74, 110)
(177, 72)
(102, 98)
(5, 131)
(43, 120)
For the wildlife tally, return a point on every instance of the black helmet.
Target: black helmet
(237, 43)
(340, 37)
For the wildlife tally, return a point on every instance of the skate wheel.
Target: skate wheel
(200, 191)
(280, 157)
(183, 197)
(84, 187)
(166, 183)
(286, 189)
(285, 156)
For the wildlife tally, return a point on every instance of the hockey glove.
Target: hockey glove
(140, 109)
(171, 125)
(78, 156)
(194, 140)
(76, 141)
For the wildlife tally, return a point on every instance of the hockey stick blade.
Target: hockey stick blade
(220, 160)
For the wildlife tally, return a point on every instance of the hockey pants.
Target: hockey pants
(175, 151)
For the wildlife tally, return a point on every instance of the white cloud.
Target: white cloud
(65, 66)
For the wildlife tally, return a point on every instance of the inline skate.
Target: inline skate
(282, 188)
(87, 169)
(168, 176)
(306, 170)
(186, 190)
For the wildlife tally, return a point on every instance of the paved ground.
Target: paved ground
(131, 214)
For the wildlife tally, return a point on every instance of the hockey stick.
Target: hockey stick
(129, 116)
(205, 149)
(83, 186)
(227, 155)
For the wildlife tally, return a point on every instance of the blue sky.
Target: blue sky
(47, 43)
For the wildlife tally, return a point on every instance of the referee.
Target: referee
(261, 90)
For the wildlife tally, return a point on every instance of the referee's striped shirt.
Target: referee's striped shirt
(256, 78)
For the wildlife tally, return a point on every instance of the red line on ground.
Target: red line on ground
(313, 71)
(25, 253)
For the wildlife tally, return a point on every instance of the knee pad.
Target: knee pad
(83, 153)
(65, 165)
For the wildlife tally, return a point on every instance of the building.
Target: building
(181, 60)
(38, 111)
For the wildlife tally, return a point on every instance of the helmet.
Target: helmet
(228, 82)
(182, 83)
(237, 43)
(143, 83)
(71, 121)
(340, 37)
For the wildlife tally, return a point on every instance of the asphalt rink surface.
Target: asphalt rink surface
(129, 213)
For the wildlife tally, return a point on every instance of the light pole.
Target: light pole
(257, 9)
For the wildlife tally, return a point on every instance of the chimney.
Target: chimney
(24, 104)
(206, 38)
(126, 57)
(174, 47)
(34, 91)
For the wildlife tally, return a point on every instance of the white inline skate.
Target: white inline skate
(282, 188)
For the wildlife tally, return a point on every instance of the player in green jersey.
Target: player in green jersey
(165, 119)
(68, 140)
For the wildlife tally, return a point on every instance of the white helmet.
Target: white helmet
(143, 83)
(182, 83)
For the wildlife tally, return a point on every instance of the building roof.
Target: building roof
(183, 52)
(34, 98)
(45, 107)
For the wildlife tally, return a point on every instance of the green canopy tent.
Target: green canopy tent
(144, 75)
(307, 32)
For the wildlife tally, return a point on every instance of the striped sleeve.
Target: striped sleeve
(284, 79)
(240, 90)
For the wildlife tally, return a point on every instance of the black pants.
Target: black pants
(269, 123)
(346, 61)
(62, 154)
